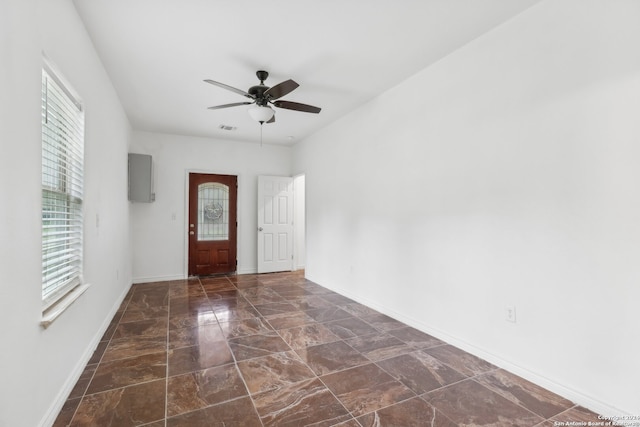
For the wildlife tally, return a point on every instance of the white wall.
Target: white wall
(159, 241)
(505, 174)
(39, 367)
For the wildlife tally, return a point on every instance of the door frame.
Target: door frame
(185, 226)
(299, 233)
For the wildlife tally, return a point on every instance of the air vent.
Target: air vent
(225, 127)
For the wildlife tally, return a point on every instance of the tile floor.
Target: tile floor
(279, 350)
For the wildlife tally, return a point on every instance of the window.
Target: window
(62, 189)
(213, 211)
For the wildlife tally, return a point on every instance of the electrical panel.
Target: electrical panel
(141, 178)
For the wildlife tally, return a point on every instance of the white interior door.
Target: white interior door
(275, 224)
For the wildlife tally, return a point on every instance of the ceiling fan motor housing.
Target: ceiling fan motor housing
(257, 92)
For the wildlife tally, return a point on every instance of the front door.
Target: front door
(275, 224)
(212, 224)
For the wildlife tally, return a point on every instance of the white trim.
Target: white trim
(565, 391)
(59, 307)
(296, 249)
(64, 84)
(58, 403)
(149, 279)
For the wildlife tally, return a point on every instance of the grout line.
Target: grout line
(235, 362)
(291, 349)
(474, 379)
(166, 373)
(286, 281)
(84, 393)
(340, 339)
(199, 409)
(412, 348)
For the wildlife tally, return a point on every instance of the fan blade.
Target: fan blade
(297, 106)
(231, 88)
(235, 104)
(281, 89)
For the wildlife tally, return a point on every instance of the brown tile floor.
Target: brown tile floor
(279, 350)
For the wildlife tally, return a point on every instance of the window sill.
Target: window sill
(55, 311)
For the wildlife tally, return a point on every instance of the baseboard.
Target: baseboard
(72, 378)
(569, 393)
(150, 279)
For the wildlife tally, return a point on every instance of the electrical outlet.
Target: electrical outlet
(511, 313)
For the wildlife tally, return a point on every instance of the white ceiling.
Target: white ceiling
(341, 52)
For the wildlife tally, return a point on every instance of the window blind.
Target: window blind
(62, 189)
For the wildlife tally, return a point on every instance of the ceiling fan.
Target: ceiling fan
(262, 95)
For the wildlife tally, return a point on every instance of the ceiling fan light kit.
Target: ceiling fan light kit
(262, 95)
(261, 114)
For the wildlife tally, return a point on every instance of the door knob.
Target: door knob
(259, 228)
(192, 233)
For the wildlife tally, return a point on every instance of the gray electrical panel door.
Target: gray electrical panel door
(141, 178)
